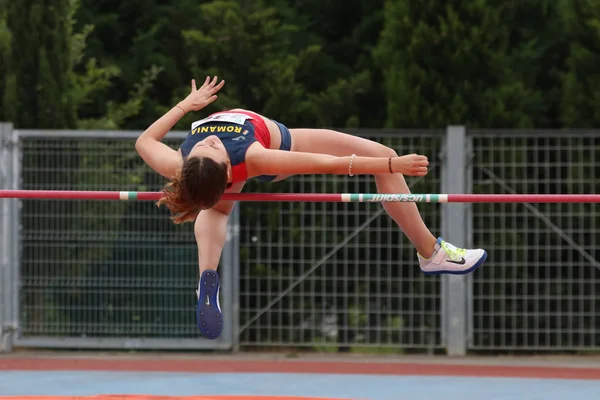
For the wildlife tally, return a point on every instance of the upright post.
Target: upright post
(454, 229)
(235, 251)
(6, 250)
(231, 276)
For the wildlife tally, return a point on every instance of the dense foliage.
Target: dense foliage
(404, 63)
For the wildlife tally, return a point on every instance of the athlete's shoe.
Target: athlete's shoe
(209, 318)
(448, 259)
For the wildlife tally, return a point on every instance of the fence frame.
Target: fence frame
(457, 291)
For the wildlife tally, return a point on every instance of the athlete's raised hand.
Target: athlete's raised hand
(200, 98)
(411, 164)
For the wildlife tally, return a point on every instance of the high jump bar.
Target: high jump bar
(313, 197)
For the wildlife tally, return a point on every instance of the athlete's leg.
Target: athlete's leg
(210, 230)
(406, 215)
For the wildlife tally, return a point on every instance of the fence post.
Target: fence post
(227, 286)
(17, 160)
(455, 229)
(231, 275)
(235, 272)
(6, 250)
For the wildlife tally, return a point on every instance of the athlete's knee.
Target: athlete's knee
(375, 149)
(390, 152)
(384, 151)
(371, 148)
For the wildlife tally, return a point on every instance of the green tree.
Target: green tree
(93, 79)
(581, 94)
(41, 62)
(254, 50)
(301, 54)
(272, 63)
(459, 63)
(538, 50)
(148, 42)
(345, 89)
(4, 53)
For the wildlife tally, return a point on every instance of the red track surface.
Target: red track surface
(201, 365)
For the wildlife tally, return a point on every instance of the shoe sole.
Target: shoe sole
(463, 272)
(209, 318)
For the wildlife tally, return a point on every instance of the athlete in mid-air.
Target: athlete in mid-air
(225, 149)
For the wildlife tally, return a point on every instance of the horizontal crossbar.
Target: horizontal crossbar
(313, 197)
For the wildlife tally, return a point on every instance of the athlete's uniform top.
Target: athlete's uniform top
(237, 130)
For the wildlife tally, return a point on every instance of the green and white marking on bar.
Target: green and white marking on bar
(127, 195)
(398, 198)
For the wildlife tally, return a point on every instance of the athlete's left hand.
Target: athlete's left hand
(411, 164)
(200, 98)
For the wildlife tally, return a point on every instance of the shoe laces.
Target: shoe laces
(452, 251)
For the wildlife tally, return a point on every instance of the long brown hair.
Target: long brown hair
(199, 185)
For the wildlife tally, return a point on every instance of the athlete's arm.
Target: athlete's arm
(159, 156)
(261, 161)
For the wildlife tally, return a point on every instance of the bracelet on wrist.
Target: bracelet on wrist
(181, 108)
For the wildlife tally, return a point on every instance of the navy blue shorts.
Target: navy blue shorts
(286, 144)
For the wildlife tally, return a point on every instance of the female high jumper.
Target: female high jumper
(227, 148)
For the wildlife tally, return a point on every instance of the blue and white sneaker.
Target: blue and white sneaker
(209, 318)
(449, 259)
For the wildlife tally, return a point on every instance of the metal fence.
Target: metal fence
(97, 274)
(319, 276)
(338, 277)
(540, 289)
